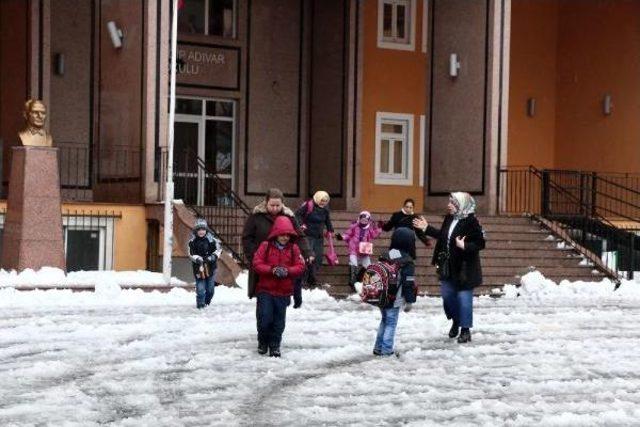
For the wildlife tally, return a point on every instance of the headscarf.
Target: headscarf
(320, 196)
(464, 204)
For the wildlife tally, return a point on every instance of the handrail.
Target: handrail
(576, 200)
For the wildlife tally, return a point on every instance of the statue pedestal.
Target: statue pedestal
(33, 225)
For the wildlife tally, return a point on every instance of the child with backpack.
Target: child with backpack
(359, 239)
(390, 285)
(203, 250)
(277, 262)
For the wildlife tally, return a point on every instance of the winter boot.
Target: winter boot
(353, 274)
(465, 336)
(274, 351)
(453, 332)
(262, 348)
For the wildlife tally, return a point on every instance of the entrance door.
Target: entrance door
(204, 134)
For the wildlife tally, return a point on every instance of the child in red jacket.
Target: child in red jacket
(277, 262)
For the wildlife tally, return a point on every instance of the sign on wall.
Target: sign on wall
(201, 65)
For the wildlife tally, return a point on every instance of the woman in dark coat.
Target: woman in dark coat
(404, 218)
(457, 259)
(313, 216)
(256, 230)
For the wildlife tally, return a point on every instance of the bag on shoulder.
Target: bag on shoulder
(380, 283)
(443, 265)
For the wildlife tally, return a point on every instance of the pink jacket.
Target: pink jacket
(352, 236)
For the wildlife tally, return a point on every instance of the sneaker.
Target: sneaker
(465, 336)
(395, 353)
(407, 307)
(377, 352)
(274, 352)
(453, 332)
(262, 348)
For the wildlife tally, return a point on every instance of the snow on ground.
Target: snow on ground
(49, 276)
(554, 356)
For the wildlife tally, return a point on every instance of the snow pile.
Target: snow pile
(48, 276)
(537, 287)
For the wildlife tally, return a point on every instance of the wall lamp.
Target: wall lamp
(607, 104)
(454, 65)
(116, 34)
(531, 107)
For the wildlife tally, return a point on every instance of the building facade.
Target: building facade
(373, 101)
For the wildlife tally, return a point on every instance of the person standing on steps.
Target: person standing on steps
(257, 228)
(359, 239)
(314, 216)
(457, 260)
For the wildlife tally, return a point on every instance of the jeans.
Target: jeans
(458, 305)
(387, 330)
(271, 312)
(204, 290)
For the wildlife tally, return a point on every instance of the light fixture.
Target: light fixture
(607, 105)
(116, 34)
(531, 107)
(454, 65)
(58, 64)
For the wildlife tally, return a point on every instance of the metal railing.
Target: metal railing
(587, 204)
(105, 174)
(209, 195)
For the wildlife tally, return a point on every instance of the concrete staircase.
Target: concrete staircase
(515, 246)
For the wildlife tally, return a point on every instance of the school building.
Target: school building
(373, 101)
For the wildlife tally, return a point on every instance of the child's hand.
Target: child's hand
(460, 241)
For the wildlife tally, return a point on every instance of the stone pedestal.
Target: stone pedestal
(33, 224)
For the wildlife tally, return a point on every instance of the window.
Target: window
(396, 24)
(212, 17)
(394, 158)
(88, 240)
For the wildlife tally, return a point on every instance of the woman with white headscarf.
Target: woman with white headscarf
(457, 260)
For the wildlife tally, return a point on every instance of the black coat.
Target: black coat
(208, 248)
(314, 221)
(464, 264)
(399, 220)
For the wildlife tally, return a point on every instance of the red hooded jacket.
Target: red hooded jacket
(269, 256)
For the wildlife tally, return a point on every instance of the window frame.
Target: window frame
(105, 230)
(406, 177)
(205, 32)
(392, 42)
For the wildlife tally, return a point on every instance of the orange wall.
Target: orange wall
(532, 75)
(130, 234)
(598, 53)
(568, 54)
(393, 81)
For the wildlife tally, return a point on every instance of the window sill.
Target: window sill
(382, 44)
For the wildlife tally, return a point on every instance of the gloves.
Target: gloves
(196, 258)
(339, 236)
(280, 272)
(212, 258)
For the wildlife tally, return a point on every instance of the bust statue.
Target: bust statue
(35, 114)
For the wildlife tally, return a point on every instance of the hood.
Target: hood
(261, 208)
(404, 240)
(200, 223)
(282, 225)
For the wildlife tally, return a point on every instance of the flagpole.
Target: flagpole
(168, 197)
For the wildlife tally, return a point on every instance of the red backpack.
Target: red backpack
(380, 283)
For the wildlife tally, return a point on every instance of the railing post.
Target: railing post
(632, 253)
(594, 192)
(544, 199)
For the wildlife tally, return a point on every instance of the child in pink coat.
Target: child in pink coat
(359, 239)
